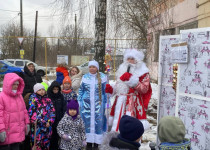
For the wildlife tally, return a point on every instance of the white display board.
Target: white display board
(192, 97)
(167, 96)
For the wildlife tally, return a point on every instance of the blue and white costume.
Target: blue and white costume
(92, 109)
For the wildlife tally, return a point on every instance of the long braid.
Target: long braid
(99, 85)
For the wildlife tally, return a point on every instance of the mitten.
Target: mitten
(27, 129)
(109, 89)
(126, 76)
(3, 136)
(66, 137)
(84, 143)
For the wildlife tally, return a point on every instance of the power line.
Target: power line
(9, 10)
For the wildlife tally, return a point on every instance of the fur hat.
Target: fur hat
(130, 128)
(93, 63)
(133, 53)
(67, 79)
(38, 86)
(171, 129)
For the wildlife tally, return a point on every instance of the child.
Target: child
(131, 130)
(42, 112)
(14, 120)
(54, 93)
(71, 128)
(61, 72)
(171, 132)
(67, 91)
(92, 100)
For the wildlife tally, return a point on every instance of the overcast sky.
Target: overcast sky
(45, 19)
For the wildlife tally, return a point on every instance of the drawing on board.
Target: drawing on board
(195, 115)
(196, 74)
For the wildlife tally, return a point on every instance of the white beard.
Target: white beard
(137, 70)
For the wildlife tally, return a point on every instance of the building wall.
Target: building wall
(203, 13)
(180, 13)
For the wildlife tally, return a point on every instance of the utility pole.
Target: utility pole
(21, 30)
(21, 19)
(58, 52)
(35, 34)
(100, 32)
(75, 34)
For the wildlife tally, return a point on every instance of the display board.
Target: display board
(192, 96)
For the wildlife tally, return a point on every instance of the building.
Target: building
(168, 17)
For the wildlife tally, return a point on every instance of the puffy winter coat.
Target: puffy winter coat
(112, 142)
(61, 73)
(76, 80)
(30, 80)
(75, 129)
(13, 114)
(58, 102)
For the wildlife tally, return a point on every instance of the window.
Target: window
(19, 63)
(191, 25)
(11, 61)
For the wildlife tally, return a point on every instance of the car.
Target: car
(84, 68)
(7, 67)
(22, 62)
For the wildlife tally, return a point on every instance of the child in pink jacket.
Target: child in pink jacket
(14, 119)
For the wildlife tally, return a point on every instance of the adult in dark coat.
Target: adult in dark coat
(54, 93)
(30, 78)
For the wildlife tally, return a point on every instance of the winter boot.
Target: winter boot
(89, 146)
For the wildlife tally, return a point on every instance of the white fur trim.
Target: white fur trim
(134, 80)
(111, 120)
(137, 55)
(121, 87)
(145, 124)
(136, 69)
(120, 101)
(94, 138)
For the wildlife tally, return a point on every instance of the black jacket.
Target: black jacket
(30, 80)
(58, 102)
(121, 144)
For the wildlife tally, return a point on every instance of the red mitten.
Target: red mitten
(109, 89)
(126, 76)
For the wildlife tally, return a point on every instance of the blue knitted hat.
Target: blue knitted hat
(130, 128)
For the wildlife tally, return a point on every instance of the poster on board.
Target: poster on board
(62, 59)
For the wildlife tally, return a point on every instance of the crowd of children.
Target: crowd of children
(59, 118)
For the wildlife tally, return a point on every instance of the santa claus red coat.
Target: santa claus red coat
(132, 90)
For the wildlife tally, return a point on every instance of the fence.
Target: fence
(47, 49)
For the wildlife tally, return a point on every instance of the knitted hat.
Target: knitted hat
(93, 63)
(171, 129)
(130, 128)
(45, 85)
(38, 86)
(30, 63)
(73, 104)
(67, 79)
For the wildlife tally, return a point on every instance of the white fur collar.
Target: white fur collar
(136, 69)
